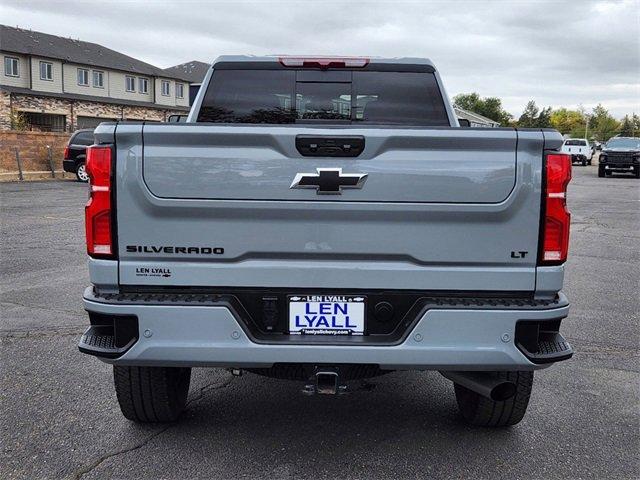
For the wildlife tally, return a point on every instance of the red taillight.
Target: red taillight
(556, 216)
(98, 210)
(324, 62)
(66, 152)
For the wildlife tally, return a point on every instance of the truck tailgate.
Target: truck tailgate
(442, 209)
(244, 163)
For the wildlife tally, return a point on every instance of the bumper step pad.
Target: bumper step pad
(99, 340)
(224, 299)
(551, 347)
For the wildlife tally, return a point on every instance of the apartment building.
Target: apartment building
(194, 72)
(52, 83)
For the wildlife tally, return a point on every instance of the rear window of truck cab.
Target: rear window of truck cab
(575, 143)
(345, 96)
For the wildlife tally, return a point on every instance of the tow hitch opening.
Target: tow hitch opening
(326, 381)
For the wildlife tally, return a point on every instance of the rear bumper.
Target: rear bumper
(69, 166)
(444, 337)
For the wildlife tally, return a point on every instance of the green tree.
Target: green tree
(533, 117)
(490, 107)
(603, 126)
(605, 129)
(529, 116)
(544, 119)
(626, 129)
(567, 121)
(598, 113)
(630, 126)
(635, 121)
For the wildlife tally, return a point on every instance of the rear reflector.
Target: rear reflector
(557, 219)
(98, 209)
(324, 62)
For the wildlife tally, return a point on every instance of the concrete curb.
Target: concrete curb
(35, 175)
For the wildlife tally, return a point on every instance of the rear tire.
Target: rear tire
(636, 172)
(484, 412)
(584, 163)
(151, 394)
(601, 172)
(81, 173)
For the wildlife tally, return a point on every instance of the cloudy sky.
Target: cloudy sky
(557, 53)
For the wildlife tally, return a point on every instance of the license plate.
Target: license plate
(326, 315)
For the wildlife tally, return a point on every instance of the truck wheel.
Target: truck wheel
(636, 172)
(484, 412)
(584, 163)
(81, 173)
(151, 394)
(600, 172)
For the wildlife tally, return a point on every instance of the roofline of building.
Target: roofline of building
(106, 67)
(188, 76)
(90, 98)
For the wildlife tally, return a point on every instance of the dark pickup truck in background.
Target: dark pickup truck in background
(620, 155)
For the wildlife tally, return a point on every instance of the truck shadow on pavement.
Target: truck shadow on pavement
(247, 424)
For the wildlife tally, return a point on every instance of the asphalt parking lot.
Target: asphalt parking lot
(59, 417)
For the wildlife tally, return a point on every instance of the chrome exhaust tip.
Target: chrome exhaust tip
(485, 384)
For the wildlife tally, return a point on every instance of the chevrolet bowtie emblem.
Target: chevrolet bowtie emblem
(329, 180)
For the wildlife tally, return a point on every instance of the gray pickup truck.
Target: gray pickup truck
(326, 220)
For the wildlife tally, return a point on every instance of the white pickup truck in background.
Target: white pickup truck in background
(579, 149)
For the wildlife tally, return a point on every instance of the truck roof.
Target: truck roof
(276, 58)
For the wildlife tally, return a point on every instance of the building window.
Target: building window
(130, 83)
(165, 88)
(98, 79)
(179, 90)
(83, 77)
(11, 65)
(46, 71)
(45, 122)
(143, 85)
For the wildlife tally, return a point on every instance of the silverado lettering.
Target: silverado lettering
(178, 250)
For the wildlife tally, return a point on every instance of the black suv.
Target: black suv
(75, 153)
(620, 155)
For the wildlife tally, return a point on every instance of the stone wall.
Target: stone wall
(72, 109)
(32, 145)
(141, 113)
(93, 109)
(33, 151)
(5, 110)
